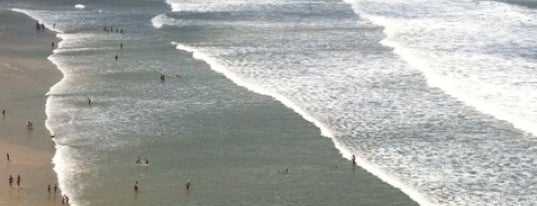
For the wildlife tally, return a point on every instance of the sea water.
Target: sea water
(433, 97)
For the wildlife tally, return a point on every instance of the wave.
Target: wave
(472, 71)
(325, 129)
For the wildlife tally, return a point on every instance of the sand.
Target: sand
(25, 77)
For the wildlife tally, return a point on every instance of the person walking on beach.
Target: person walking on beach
(18, 180)
(7, 156)
(188, 185)
(146, 161)
(3, 113)
(10, 181)
(136, 187)
(116, 57)
(48, 188)
(55, 188)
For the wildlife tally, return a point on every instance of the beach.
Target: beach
(25, 77)
(240, 148)
(266, 102)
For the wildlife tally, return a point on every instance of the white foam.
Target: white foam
(325, 130)
(80, 6)
(396, 29)
(159, 20)
(62, 167)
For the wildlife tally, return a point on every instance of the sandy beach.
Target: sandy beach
(25, 77)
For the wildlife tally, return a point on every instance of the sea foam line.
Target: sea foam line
(325, 130)
(60, 163)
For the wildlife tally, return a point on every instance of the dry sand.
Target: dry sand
(25, 78)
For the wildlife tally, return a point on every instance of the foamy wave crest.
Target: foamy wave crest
(470, 69)
(326, 131)
(159, 20)
(218, 67)
(80, 6)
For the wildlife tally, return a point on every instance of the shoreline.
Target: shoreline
(26, 75)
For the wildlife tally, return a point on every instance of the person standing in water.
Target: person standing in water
(188, 185)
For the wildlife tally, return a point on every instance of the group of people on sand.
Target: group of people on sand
(10, 180)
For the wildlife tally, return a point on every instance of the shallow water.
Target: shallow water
(433, 98)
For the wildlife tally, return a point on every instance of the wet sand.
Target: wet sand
(25, 77)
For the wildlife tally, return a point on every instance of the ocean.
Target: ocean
(435, 98)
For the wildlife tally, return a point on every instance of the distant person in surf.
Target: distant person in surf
(136, 187)
(7, 156)
(89, 101)
(162, 78)
(52, 44)
(29, 125)
(188, 185)
(138, 161)
(353, 159)
(3, 113)
(146, 161)
(116, 57)
(121, 45)
(18, 180)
